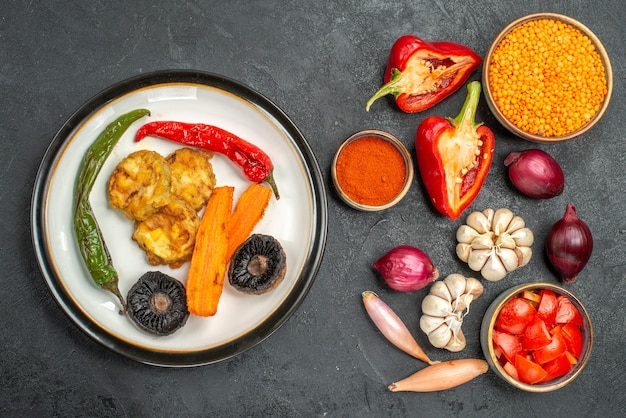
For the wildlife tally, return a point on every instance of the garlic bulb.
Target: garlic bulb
(444, 308)
(494, 243)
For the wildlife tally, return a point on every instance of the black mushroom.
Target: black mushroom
(157, 303)
(258, 265)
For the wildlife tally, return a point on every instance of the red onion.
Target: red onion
(406, 269)
(569, 245)
(535, 173)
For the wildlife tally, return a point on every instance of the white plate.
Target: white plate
(298, 220)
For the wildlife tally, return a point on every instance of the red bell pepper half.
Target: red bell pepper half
(454, 156)
(420, 74)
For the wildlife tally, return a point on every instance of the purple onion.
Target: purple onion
(535, 173)
(569, 245)
(406, 269)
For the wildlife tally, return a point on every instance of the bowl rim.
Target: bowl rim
(486, 337)
(408, 162)
(608, 74)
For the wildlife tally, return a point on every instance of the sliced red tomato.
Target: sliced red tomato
(511, 370)
(536, 334)
(529, 371)
(510, 345)
(558, 367)
(515, 315)
(551, 351)
(571, 358)
(539, 335)
(567, 312)
(531, 296)
(573, 337)
(547, 307)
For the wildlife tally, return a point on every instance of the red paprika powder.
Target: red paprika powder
(371, 170)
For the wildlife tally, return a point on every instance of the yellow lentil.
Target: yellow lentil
(547, 78)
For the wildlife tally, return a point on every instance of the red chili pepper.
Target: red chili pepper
(256, 164)
(420, 74)
(454, 156)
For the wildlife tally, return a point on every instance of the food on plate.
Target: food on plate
(420, 74)
(441, 376)
(392, 327)
(454, 156)
(163, 196)
(249, 210)
(569, 245)
(494, 242)
(406, 268)
(535, 173)
(157, 303)
(205, 280)
(90, 242)
(444, 308)
(221, 232)
(256, 164)
(560, 81)
(140, 184)
(538, 336)
(258, 265)
(192, 178)
(168, 236)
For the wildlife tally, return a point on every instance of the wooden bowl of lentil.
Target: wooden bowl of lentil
(547, 78)
(372, 170)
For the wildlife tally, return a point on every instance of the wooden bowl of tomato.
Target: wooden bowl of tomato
(537, 336)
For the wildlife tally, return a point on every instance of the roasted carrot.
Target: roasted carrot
(248, 212)
(205, 280)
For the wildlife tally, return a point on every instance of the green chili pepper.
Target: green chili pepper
(90, 242)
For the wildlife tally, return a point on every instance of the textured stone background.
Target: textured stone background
(318, 61)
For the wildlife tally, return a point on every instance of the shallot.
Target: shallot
(569, 245)
(392, 327)
(406, 268)
(441, 376)
(535, 173)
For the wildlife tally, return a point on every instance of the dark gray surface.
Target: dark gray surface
(319, 62)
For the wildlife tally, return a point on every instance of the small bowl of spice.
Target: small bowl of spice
(547, 78)
(537, 336)
(372, 170)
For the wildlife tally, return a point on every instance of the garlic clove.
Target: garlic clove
(473, 287)
(489, 213)
(457, 342)
(463, 251)
(466, 234)
(477, 259)
(479, 221)
(440, 289)
(508, 258)
(440, 336)
(505, 241)
(435, 306)
(456, 284)
(493, 270)
(523, 237)
(461, 303)
(523, 255)
(516, 223)
(430, 323)
(482, 242)
(501, 219)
